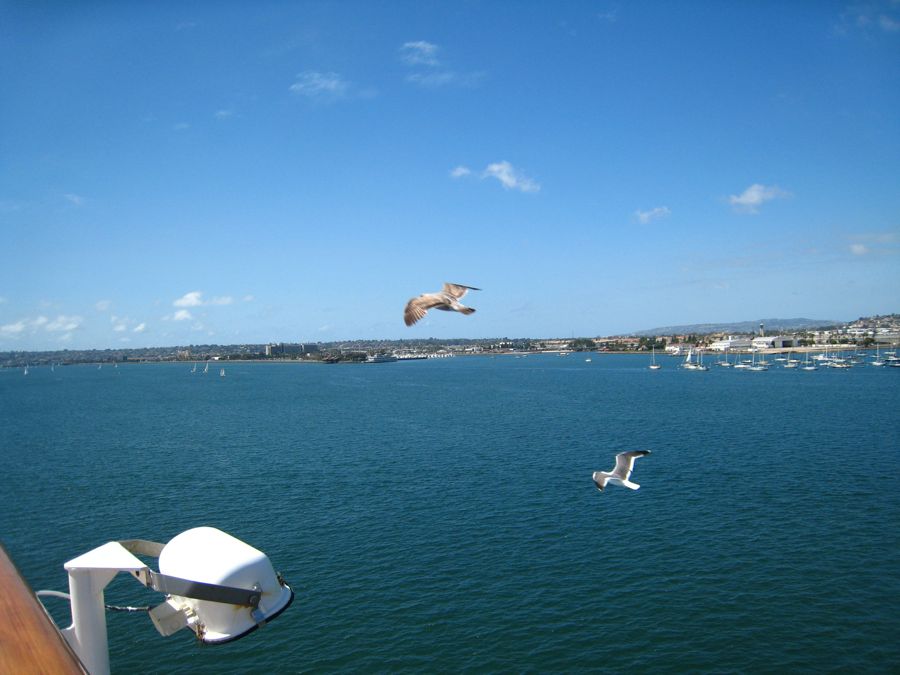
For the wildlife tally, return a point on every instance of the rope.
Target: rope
(109, 608)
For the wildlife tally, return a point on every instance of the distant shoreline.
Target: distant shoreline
(221, 362)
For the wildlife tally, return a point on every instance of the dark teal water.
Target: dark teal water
(440, 516)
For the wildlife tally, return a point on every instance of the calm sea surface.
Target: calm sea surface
(440, 515)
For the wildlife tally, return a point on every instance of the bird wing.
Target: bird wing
(417, 307)
(458, 290)
(625, 462)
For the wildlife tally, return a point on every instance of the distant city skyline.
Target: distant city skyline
(279, 172)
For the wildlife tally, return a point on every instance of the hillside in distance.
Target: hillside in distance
(771, 326)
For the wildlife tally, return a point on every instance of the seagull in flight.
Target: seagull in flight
(446, 299)
(622, 472)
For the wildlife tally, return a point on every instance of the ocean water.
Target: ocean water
(440, 515)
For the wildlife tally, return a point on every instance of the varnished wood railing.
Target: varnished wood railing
(29, 640)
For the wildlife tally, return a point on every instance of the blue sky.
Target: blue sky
(189, 173)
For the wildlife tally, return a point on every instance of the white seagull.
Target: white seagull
(622, 472)
(446, 299)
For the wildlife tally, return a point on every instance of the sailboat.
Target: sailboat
(839, 361)
(791, 362)
(194, 369)
(700, 365)
(206, 369)
(760, 364)
(222, 373)
(808, 365)
(823, 356)
(25, 372)
(653, 364)
(724, 361)
(877, 361)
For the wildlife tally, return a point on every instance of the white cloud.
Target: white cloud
(74, 199)
(13, 328)
(122, 324)
(102, 305)
(428, 71)
(609, 15)
(181, 126)
(460, 171)
(419, 53)
(192, 299)
(320, 86)
(869, 16)
(510, 178)
(248, 298)
(755, 196)
(195, 299)
(224, 114)
(182, 315)
(888, 24)
(859, 249)
(63, 323)
(644, 217)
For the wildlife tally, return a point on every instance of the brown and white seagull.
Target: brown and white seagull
(446, 299)
(622, 472)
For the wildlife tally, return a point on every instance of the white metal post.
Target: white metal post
(87, 634)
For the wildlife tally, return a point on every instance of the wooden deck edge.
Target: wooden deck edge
(29, 640)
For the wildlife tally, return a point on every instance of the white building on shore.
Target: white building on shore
(773, 342)
(730, 343)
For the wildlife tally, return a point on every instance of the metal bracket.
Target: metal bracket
(186, 588)
(198, 590)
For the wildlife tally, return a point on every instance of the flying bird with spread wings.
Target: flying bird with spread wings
(446, 299)
(622, 471)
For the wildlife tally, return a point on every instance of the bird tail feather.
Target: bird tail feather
(467, 310)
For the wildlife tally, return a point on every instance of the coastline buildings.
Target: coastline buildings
(773, 342)
(731, 343)
(277, 350)
(866, 332)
